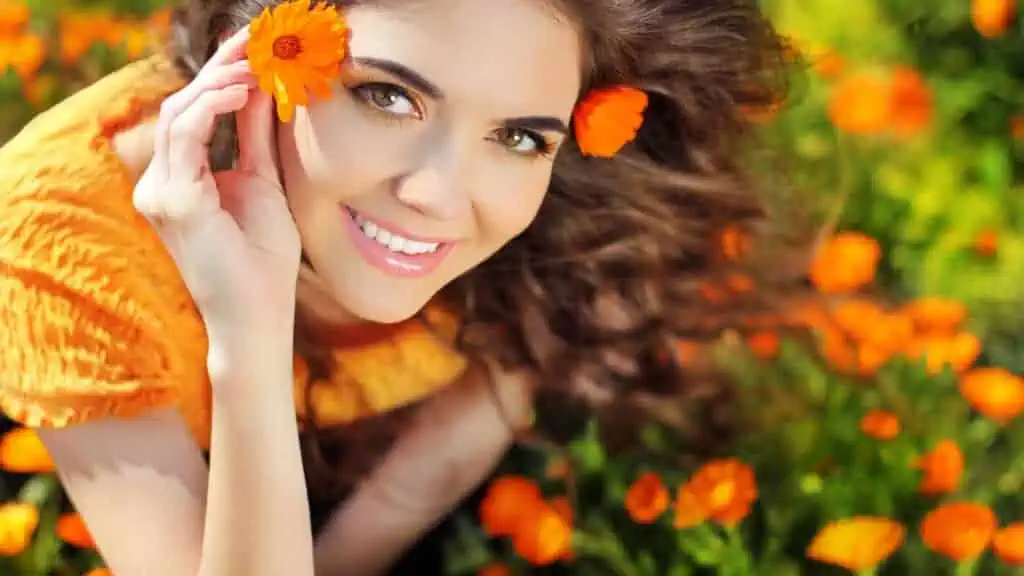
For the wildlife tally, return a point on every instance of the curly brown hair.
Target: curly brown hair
(594, 294)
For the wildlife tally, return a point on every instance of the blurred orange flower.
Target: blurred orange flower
(858, 543)
(829, 64)
(844, 263)
(942, 468)
(99, 572)
(986, 243)
(995, 392)
(935, 315)
(1008, 544)
(764, 344)
(958, 352)
(1017, 127)
(18, 523)
(734, 242)
(859, 103)
(506, 503)
(71, 528)
(647, 498)
(607, 119)
(24, 53)
(23, 452)
(721, 490)
(959, 530)
(78, 31)
(880, 425)
(297, 50)
(14, 16)
(991, 18)
(542, 536)
(912, 102)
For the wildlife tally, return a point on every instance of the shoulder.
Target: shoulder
(94, 318)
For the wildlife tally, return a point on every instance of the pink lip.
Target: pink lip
(395, 263)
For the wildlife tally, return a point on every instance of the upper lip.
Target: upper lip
(392, 227)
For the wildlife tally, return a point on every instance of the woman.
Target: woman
(153, 290)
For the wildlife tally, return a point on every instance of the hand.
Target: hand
(231, 233)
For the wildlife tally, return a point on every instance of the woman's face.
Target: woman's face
(435, 150)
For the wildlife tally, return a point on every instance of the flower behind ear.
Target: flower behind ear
(608, 118)
(294, 50)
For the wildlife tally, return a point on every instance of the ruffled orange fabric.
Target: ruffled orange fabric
(96, 322)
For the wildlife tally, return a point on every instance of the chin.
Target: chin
(390, 305)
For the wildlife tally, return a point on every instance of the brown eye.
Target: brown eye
(520, 141)
(387, 98)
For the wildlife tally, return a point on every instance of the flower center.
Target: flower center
(287, 47)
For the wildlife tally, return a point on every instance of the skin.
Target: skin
(454, 169)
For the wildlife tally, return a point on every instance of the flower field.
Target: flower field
(881, 418)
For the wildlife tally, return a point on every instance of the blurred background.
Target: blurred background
(889, 442)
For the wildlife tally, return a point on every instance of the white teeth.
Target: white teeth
(393, 241)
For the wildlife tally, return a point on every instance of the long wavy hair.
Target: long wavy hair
(598, 289)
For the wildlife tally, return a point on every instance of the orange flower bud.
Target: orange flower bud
(508, 500)
(647, 498)
(942, 467)
(994, 392)
(959, 530)
(880, 424)
(1008, 544)
(22, 451)
(18, 523)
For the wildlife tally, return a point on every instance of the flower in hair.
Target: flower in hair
(295, 50)
(608, 118)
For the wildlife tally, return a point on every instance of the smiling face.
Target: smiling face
(435, 151)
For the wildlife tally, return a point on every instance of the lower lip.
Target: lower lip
(405, 265)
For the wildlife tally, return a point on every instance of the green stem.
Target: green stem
(965, 568)
(609, 551)
(873, 571)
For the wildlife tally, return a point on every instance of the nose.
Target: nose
(435, 186)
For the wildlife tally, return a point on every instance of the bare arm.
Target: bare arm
(140, 485)
(457, 440)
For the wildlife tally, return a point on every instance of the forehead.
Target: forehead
(503, 57)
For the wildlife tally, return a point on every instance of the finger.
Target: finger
(256, 149)
(454, 445)
(231, 49)
(261, 210)
(174, 105)
(187, 152)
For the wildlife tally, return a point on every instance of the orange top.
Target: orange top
(95, 320)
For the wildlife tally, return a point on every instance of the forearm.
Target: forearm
(257, 518)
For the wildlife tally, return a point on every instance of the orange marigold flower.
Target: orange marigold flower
(24, 53)
(99, 572)
(71, 528)
(959, 351)
(295, 50)
(845, 262)
(18, 523)
(79, 31)
(991, 18)
(880, 425)
(496, 569)
(942, 468)
(912, 102)
(858, 543)
(647, 498)
(608, 118)
(687, 510)
(986, 243)
(935, 315)
(959, 530)
(542, 536)
(994, 392)
(765, 344)
(14, 16)
(23, 452)
(724, 490)
(859, 104)
(1008, 544)
(507, 501)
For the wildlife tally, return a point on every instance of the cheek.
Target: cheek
(509, 203)
(340, 153)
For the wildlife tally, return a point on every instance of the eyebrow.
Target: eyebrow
(406, 74)
(421, 84)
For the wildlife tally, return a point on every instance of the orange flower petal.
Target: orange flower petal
(509, 499)
(994, 392)
(608, 118)
(880, 425)
(23, 452)
(71, 528)
(858, 543)
(647, 498)
(18, 523)
(1008, 544)
(943, 468)
(959, 530)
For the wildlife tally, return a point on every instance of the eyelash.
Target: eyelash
(365, 93)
